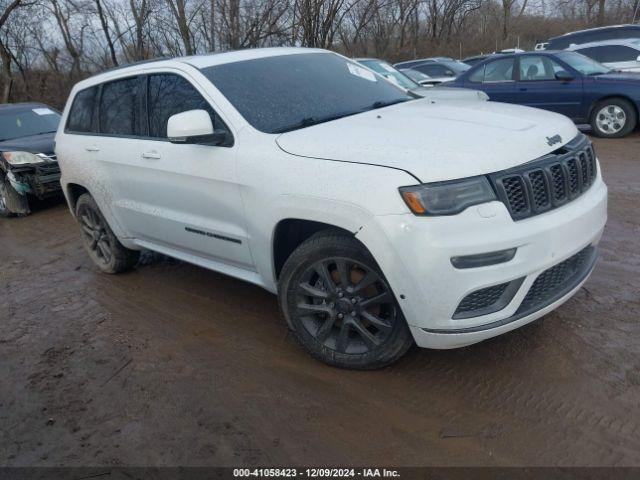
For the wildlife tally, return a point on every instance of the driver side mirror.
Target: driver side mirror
(194, 126)
(564, 76)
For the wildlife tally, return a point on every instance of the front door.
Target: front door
(177, 196)
(538, 87)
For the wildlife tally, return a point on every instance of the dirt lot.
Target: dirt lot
(176, 365)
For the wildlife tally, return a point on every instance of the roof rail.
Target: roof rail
(140, 62)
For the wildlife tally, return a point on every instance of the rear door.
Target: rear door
(496, 79)
(538, 87)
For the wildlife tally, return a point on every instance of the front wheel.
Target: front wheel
(99, 240)
(11, 202)
(341, 308)
(613, 118)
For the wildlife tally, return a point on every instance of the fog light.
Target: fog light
(483, 259)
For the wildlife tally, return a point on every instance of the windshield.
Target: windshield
(283, 93)
(456, 66)
(415, 75)
(584, 65)
(24, 123)
(390, 73)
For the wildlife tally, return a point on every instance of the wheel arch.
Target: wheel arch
(290, 233)
(74, 191)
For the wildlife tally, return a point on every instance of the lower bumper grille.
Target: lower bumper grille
(487, 300)
(551, 282)
(550, 286)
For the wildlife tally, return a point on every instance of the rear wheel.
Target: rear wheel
(99, 240)
(340, 305)
(613, 118)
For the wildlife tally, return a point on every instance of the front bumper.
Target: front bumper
(429, 288)
(41, 180)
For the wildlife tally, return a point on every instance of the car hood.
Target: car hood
(450, 93)
(618, 77)
(42, 143)
(435, 140)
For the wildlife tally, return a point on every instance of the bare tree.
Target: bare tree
(5, 54)
(105, 29)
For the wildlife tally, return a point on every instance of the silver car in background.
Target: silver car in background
(623, 55)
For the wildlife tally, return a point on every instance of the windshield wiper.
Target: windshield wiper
(380, 104)
(309, 121)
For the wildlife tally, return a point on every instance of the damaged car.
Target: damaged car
(28, 166)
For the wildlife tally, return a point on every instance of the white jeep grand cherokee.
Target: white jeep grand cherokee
(379, 219)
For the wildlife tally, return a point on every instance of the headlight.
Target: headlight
(21, 158)
(447, 198)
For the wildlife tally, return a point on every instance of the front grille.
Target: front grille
(47, 168)
(555, 279)
(549, 182)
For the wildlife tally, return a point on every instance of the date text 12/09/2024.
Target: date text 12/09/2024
(317, 472)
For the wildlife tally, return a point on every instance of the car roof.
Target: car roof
(482, 55)
(20, 107)
(197, 61)
(596, 29)
(635, 42)
(531, 52)
(416, 61)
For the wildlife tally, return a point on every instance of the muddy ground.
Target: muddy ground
(172, 364)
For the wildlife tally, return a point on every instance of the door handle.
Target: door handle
(151, 155)
(523, 89)
(92, 148)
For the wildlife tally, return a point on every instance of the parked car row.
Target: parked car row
(564, 82)
(617, 47)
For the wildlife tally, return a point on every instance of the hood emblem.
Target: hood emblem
(553, 140)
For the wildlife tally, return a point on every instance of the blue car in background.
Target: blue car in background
(563, 82)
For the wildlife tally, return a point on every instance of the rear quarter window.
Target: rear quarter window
(81, 111)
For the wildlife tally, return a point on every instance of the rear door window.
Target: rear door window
(496, 71)
(119, 108)
(168, 94)
(81, 117)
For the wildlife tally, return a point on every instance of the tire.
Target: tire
(321, 306)
(613, 118)
(12, 204)
(99, 240)
(4, 211)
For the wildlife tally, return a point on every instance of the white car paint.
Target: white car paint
(615, 54)
(344, 173)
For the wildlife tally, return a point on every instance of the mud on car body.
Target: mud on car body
(28, 166)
